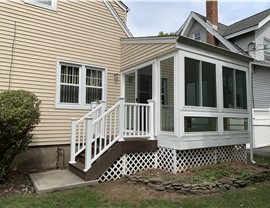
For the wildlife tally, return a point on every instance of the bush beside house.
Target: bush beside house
(19, 114)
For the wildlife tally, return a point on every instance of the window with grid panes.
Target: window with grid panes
(79, 85)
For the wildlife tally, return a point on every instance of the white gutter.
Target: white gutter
(251, 113)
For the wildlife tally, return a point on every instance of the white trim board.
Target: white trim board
(117, 18)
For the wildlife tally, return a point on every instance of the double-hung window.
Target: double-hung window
(234, 88)
(79, 85)
(47, 4)
(200, 83)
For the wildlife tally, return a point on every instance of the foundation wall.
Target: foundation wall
(44, 157)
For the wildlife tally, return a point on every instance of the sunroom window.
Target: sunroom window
(79, 85)
(199, 124)
(47, 4)
(235, 124)
(234, 88)
(200, 83)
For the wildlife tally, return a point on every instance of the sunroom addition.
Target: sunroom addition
(200, 93)
(183, 104)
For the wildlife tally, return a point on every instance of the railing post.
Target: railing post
(102, 125)
(151, 119)
(121, 119)
(88, 145)
(73, 140)
(93, 105)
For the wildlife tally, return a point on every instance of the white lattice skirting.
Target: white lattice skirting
(172, 160)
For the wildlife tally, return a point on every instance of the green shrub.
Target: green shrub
(19, 114)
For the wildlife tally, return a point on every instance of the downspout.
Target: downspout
(251, 113)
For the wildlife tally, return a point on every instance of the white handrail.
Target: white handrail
(79, 130)
(103, 129)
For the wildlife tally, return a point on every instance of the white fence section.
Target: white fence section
(98, 130)
(261, 128)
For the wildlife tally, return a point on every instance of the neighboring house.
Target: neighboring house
(249, 36)
(185, 103)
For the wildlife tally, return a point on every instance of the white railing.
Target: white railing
(136, 120)
(79, 129)
(103, 133)
(121, 121)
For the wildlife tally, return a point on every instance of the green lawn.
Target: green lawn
(255, 196)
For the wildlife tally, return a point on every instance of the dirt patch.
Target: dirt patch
(120, 191)
(18, 183)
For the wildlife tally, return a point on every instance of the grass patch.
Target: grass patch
(255, 196)
(261, 159)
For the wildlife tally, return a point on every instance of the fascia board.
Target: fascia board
(183, 28)
(264, 21)
(121, 5)
(117, 18)
(250, 29)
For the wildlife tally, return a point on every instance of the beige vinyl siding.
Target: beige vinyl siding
(83, 32)
(135, 54)
(119, 10)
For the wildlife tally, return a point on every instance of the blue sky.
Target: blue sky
(149, 17)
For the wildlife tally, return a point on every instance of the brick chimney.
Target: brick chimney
(212, 18)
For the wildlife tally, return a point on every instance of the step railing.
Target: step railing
(102, 133)
(79, 129)
(115, 125)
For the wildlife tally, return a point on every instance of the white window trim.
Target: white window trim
(82, 88)
(36, 3)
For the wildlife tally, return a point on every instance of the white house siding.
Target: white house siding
(259, 36)
(198, 27)
(261, 87)
(82, 31)
(243, 41)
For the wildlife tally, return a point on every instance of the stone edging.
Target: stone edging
(221, 185)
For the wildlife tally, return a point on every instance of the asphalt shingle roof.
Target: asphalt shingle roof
(240, 25)
(247, 22)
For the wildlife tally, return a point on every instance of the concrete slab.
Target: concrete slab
(56, 180)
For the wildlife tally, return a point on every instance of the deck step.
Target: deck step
(131, 145)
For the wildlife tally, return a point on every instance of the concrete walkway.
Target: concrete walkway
(56, 180)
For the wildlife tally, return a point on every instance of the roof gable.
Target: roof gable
(199, 18)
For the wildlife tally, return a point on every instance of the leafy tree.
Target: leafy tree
(161, 33)
(19, 114)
